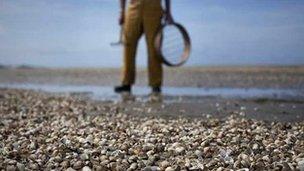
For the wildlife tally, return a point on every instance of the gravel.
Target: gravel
(40, 131)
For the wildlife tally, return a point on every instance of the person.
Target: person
(142, 17)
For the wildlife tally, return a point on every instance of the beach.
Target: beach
(228, 127)
(238, 76)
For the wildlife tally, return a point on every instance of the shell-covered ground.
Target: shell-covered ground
(40, 131)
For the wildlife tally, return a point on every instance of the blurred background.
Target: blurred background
(77, 33)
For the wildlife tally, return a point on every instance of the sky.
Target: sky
(78, 33)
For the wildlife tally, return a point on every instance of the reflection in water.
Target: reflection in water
(171, 93)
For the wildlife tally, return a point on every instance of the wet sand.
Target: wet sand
(213, 77)
(284, 110)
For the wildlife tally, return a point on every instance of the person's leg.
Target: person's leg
(152, 21)
(132, 32)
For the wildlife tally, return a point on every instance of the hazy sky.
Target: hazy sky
(73, 33)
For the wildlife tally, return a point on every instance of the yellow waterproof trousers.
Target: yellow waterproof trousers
(143, 16)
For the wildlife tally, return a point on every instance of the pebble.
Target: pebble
(70, 169)
(266, 158)
(198, 153)
(78, 165)
(164, 164)
(33, 166)
(84, 156)
(151, 168)
(10, 168)
(301, 164)
(86, 168)
(20, 166)
(169, 169)
(32, 146)
(133, 166)
(255, 147)
(243, 169)
(180, 150)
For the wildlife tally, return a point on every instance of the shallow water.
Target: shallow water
(171, 93)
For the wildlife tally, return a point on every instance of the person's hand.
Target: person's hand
(121, 19)
(168, 17)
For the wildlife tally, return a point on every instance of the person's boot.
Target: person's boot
(156, 95)
(156, 89)
(122, 89)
